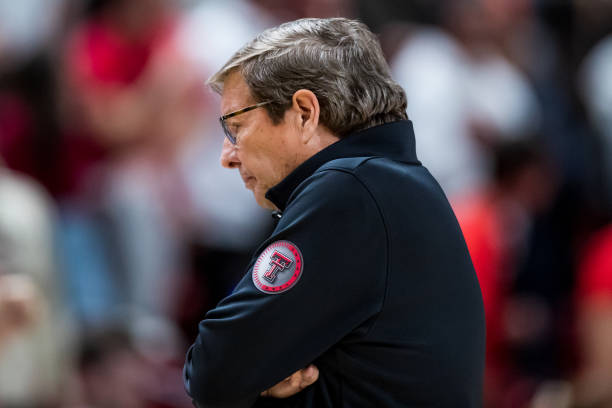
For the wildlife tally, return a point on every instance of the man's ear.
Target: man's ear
(306, 104)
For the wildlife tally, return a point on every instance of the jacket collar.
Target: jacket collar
(393, 140)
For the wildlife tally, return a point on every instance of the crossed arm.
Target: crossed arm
(253, 339)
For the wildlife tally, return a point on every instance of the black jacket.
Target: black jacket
(375, 287)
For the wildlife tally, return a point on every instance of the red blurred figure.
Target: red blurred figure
(127, 81)
(495, 223)
(594, 304)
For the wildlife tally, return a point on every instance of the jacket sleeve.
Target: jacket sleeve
(252, 340)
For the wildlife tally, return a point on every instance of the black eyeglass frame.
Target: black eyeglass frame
(223, 118)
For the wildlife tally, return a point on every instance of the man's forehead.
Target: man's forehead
(236, 94)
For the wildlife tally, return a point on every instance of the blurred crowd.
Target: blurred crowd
(119, 229)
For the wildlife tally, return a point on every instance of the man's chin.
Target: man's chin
(262, 201)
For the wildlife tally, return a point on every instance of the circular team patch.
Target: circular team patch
(278, 267)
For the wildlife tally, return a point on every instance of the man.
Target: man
(365, 289)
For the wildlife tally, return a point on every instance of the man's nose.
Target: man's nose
(229, 158)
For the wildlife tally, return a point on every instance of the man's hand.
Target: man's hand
(294, 383)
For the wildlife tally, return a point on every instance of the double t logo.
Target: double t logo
(278, 263)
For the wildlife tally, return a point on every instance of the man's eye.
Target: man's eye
(234, 128)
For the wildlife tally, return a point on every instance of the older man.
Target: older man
(365, 290)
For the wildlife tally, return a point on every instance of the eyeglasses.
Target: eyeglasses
(223, 118)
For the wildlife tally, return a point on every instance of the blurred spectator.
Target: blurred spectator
(34, 329)
(118, 76)
(29, 131)
(498, 72)
(26, 27)
(128, 230)
(461, 89)
(596, 85)
(130, 91)
(112, 373)
(591, 21)
(594, 304)
(496, 222)
(29, 127)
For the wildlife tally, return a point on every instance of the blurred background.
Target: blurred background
(119, 229)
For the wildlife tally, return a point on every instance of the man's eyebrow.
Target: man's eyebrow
(234, 119)
(236, 108)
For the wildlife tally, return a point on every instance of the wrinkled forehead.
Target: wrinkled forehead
(236, 94)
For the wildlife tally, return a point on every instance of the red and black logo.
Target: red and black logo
(278, 268)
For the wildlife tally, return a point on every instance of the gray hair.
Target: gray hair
(338, 59)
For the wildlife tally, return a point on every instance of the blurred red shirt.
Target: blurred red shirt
(595, 275)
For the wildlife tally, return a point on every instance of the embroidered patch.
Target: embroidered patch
(278, 268)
